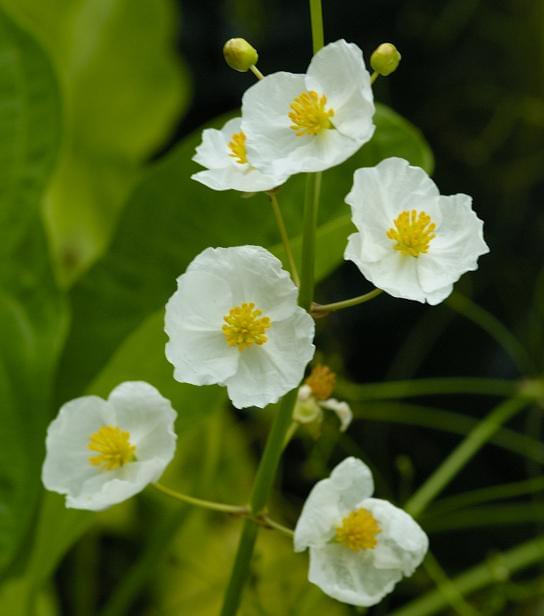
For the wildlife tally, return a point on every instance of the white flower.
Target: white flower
(101, 452)
(314, 396)
(360, 547)
(234, 320)
(224, 154)
(310, 122)
(411, 242)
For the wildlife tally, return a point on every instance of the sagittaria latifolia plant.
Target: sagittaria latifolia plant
(242, 319)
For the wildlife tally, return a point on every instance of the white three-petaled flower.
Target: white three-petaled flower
(303, 123)
(101, 452)
(411, 242)
(234, 320)
(360, 546)
(224, 154)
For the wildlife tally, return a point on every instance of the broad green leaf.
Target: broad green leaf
(29, 130)
(124, 88)
(32, 327)
(170, 218)
(32, 311)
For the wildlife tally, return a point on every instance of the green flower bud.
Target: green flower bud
(385, 59)
(307, 411)
(239, 54)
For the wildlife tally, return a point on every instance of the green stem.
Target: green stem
(486, 495)
(311, 206)
(321, 310)
(268, 465)
(261, 491)
(240, 570)
(374, 76)
(316, 17)
(434, 418)
(277, 526)
(392, 390)
(462, 454)
(256, 72)
(478, 577)
(199, 502)
(284, 236)
(446, 588)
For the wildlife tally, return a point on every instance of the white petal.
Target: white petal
(148, 417)
(342, 410)
(193, 322)
(269, 371)
(320, 152)
(254, 275)
(380, 193)
(213, 152)
(350, 576)
(66, 463)
(244, 179)
(338, 71)
(402, 544)
(331, 500)
(457, 245)
(396, 274)
(266, 122)
(102, 491)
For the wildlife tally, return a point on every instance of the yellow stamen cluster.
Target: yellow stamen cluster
(309, 115)
(113, 446)
(358, 530)
(413, 232)
(244, 326)
(321, 381)
(237, 147)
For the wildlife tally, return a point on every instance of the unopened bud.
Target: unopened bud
(239, 54)
(385, 59)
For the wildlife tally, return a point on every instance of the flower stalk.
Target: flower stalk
(284, 235)
(463, 453)
(322, 310)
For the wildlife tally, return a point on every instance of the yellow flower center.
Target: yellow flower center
(321, 381)
(237, 147)
(244, 326)
(358, 530)
(309, 115)
(113, 446)
(413, 232)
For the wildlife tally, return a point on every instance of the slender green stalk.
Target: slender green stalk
(264, 479)
(311, 206)
(316, 17)
(374, 76)
(256, 72)
(321, 310)
(272, 454)
(446, 588)
(489, 323)
(284, 236)
(199, 502)
(487, 495)
(392, 390)
(240, 570)
(447, 421)
(277, 526)
(480, 576)
(269, 463)
(462, 454)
